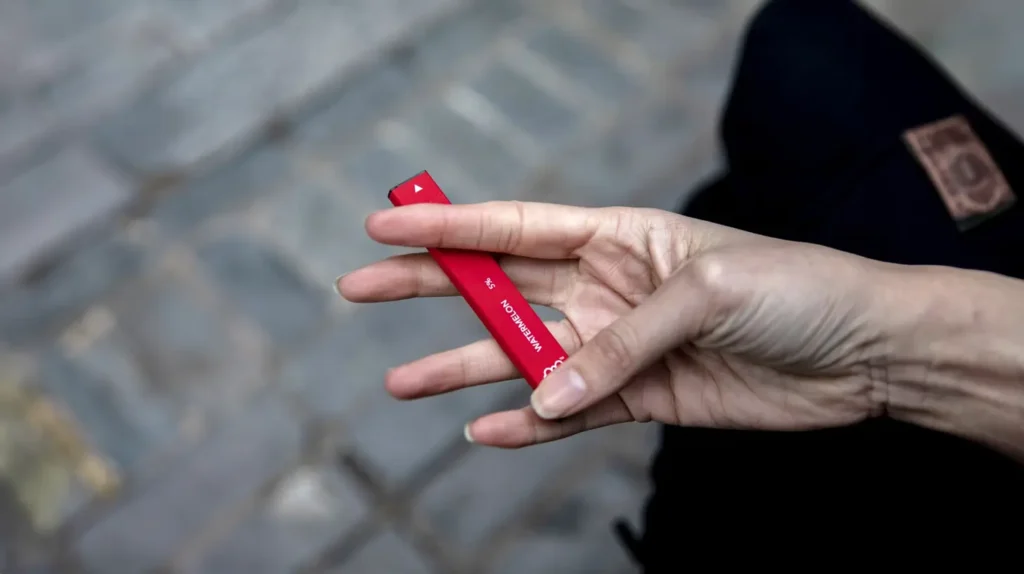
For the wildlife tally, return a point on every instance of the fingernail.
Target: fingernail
(466, 433)
(558, 393)
(336, 281)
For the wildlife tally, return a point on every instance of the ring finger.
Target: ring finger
(542, 282)
(478, 363)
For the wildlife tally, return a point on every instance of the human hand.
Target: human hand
(667, 318)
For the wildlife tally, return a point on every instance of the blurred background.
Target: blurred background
(181, 181)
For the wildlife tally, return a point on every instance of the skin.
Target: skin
(684, 322)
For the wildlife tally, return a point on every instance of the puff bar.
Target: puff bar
(516, 327)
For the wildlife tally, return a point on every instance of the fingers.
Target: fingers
(478, 363)
(522, 427)
(539, 230)
(542, 282)
(622, 350)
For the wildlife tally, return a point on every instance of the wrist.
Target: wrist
(955, 357)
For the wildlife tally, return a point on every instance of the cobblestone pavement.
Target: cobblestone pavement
(180, 182)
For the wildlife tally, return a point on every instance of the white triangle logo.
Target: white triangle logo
(416, 188)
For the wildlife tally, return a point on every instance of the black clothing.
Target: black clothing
(813, 135)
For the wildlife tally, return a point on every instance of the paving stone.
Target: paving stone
(38, 569)
(582, 62)
(22, 127)
(646, 143)
(445, 47)
(400, 437)
(322, 228)
(39, 456)
(58, 85)
(604, 555)
(234, 185)
(14, 18)
(1007, 104)
(389, 20)
(203, 20)
(708, 7)
(376, 168)
(229, 469)
(42, 208)
(687, 29)
(976, 42)
(670, 191)
(576, 534)
(366, 97)
(29, 311)
(265, 287)
(201, 114)
(608, 492)
(383, 164)
(390, 159)
(636, 441)
(56, 20)
(309, 510)
(16, 367)
(40, 474)
(946, 27)
(386, 552)
(488, 162)
(460, 188)
(491, 486)
(429, 56)
(620, 16)
(548, 121)
(334, 373)
(547, 313)
(165, 349)
(115, 418)
(114, 62)
(664, 32)
(706, 80)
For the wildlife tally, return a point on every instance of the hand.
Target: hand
(666, 318)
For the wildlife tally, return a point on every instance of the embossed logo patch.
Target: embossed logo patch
(965, 175)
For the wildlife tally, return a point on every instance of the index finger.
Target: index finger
(540, 230)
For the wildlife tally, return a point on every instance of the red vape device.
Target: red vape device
(491, 294)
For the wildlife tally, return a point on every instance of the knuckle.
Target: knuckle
(617, 344)
(717, 278)
(618, 220)
(502, 226)
(483, 224)
(710, 274)
(514, 236)
(720, 287)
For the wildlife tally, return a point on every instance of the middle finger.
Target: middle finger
(542, 282)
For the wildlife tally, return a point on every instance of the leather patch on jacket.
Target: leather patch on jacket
(962, 170)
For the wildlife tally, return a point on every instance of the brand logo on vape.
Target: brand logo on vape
(552, 368)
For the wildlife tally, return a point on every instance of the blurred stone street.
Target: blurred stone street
(181, 181)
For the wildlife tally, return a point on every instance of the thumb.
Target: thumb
(606, 363)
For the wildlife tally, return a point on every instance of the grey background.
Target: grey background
(180, 182)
